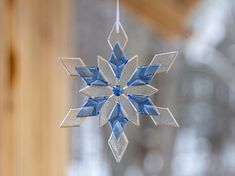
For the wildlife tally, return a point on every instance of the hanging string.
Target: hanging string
(117, 17)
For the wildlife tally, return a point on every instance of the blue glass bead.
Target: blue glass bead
(95, 103)
(143, 104)
(117, 90)
(143, 75)
(117, 60)
(92, 76)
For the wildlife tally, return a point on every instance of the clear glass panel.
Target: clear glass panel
(121, 37)
(129, 110)
(107, 109)
(96, 91)
(107, 71)
(165, 60)
(71, 119)
(164, 118)
(128, 70)
(119, 146)
(70, 63)
(147, 90)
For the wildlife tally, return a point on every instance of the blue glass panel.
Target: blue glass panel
(117, 90)
(117, 117)
(117, 60)
(92, 76)
(96, 103)
(117, 130)
(143, 75)
(143, 104)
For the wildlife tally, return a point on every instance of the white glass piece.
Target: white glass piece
(107, 71)
(166, 60)
(70, 63)
(147, 90)
(129, 110)
(128, 70)
(165, 118)
(116, 36)
(96, 91)
(107, 109)
(71, 119)
(118, 147)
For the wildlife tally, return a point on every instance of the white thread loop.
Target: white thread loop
(117, 17)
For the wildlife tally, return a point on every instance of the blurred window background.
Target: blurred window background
(36, 93)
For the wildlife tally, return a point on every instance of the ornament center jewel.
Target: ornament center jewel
(117, 90)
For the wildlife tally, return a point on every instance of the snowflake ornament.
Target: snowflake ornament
(118, 91)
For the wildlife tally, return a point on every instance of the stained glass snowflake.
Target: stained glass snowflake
(118, 91)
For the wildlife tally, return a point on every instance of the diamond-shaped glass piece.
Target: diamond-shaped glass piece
(70, 63)
(143, 104)
(118, 146)
(96, 91)
(129, 110)
(146, 90)
(117, 116)
(107, 71)
(92, 76)
(95, 103)
(165, 60)
(115, 36)
(143, 75)
(128, 70)
(117, 60)
(71, 119)
(117, 130)
(164, 118)
(107, 109)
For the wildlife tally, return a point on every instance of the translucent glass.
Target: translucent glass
(117, 60)
(107, 109)
(164, 118)
(70, 63)
(128, 70)
(118, 146)
(107, 71)
(121, 37)
(91, 76)
(71, 119)
(117, 120)
(143, 75)
(147, 90)
(95, 103)
(165, 60)
(129, 110)
(96, 91)
(143, 104)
